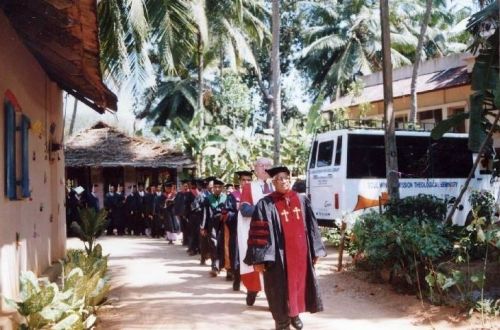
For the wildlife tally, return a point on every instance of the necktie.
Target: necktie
(267, 190)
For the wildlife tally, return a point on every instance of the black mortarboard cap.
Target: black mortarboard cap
(218, 182)
(240, 173)
(185, 181)
(210, 178)
(277, 169)
(168, 184)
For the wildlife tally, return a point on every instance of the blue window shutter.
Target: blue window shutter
(25, 182)
(10, 151)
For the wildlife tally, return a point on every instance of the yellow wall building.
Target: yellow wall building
(443, 89)
(46, 46)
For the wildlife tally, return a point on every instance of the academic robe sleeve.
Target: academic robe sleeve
(246, 201)
(261, 241)
(314, 235)
(230, 210)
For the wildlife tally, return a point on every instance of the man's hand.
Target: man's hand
(315, 260)
(259, 268)
(203, 232)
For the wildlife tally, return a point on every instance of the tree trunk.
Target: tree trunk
(73, 118)
(416, 65)
(275, 80)
(391, 156)
(200, 81)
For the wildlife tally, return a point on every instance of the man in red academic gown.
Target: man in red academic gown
(284, 243)
(252, 192)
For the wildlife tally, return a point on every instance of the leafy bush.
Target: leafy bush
(406, 246)
(86, 275)
(43, 306)
(406, 239)
(332, 236)
(93, 224)
(483, 203)
(424, 207)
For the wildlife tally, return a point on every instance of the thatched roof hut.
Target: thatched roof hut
(105, 146)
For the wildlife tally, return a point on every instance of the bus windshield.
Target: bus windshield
(418, 157)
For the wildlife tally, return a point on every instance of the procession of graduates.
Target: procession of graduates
(261, 232)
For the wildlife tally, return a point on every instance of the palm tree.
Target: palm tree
(343, 41)
(275, 81)
(391, 158)
(420, 46)
(128, 27)
(224, 34)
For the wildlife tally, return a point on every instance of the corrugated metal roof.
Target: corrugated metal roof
(449, 78)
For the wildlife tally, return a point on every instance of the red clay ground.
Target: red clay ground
(158, 286)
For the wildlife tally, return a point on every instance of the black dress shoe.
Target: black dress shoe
(214, 272)
(282, 326)
(251, 295)
(236, 285)
(297, 322)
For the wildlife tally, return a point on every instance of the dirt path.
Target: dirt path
(157, 286)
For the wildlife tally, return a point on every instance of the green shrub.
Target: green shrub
(93, 224)
(405, 246)
(43, 306)
(332, 236)
(483, 203)
(86, 275)
(422, 207)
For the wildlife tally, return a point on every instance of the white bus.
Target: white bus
(346, 173)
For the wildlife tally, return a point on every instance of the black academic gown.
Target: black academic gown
(120, 213)
(158, 215)
(172, 224)
(272, 256)
(230, 211)
(212, 224)
(197, 215)
(131, 213)
(111, 203)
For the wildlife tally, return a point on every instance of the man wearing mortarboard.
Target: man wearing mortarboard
(195, 216)
(211, 227)
(198, 207)
(172, 225)
(182, 207)
(251, 193)
(284, 244)
(230, 240)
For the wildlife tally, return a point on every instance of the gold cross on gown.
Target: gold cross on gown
(296, 210)
(285, 213)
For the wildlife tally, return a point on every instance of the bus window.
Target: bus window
(413, 156)
(365, 156)
(325, 153)
(451, 158)
(312, 163)
(338, 151)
